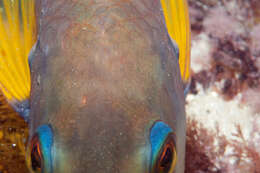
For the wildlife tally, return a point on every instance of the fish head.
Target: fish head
(106, 91)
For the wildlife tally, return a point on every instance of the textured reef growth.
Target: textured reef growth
(225, 80)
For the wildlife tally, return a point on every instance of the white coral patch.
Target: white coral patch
(200, 53)
(210, 109)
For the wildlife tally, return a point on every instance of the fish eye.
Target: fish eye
(40, 148)
(167, 158)
(36, 155)
(163, 149)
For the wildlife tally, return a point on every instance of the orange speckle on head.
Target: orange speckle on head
(84, 100)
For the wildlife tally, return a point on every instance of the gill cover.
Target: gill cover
(18, 34)
(177, 22)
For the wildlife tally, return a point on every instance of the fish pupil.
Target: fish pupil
(36, 158)
(167, 159)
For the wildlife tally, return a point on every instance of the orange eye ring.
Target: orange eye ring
(167, 159)
(40, 150)
(36, 155)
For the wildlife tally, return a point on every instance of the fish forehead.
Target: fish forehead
(132, 58)
(103, 76)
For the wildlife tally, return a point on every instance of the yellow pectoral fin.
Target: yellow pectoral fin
(178, 26)
(18, 34)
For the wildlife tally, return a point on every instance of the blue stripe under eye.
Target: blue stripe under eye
(158, 134)
(45, 135)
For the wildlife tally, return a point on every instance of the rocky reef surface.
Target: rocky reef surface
(223, 106)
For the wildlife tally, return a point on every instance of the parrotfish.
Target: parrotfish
(100, 82)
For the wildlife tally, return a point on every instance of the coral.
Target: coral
(232, 46)
(220, 24)
(255, 37)
(232, 69)
(229, 155)
(251, 97)
(199, 142)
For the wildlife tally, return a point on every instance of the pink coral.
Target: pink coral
(237, 155)
(251, 98)
(234, 38)
(220, 24)
(255, 37)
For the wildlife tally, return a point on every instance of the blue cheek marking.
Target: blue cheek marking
(46, 141)
(158, 134)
